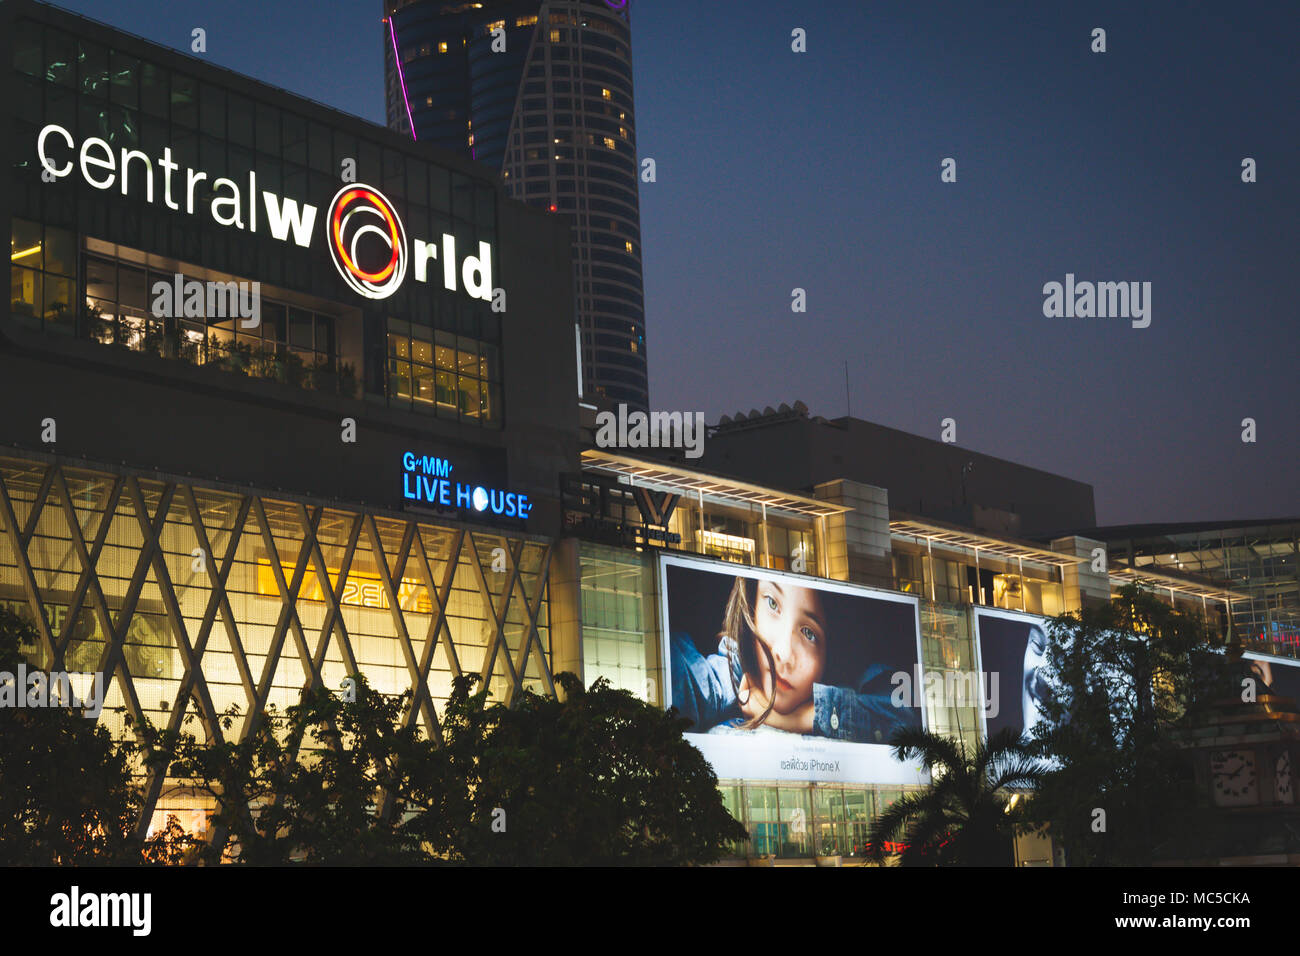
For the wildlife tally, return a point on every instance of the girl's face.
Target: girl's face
(1032, 686)
(789, 620)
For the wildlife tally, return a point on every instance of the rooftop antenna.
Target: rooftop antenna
(848, 406)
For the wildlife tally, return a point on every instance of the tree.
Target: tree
(1124, 677)
(600, 777)
(346, 800)
(66, 791)
(965, 817)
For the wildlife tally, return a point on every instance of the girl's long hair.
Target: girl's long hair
(743, 645)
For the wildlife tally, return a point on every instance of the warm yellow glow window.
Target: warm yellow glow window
(496, 25)
(628, 245)
(622, 132)
(442, 47)
(525, 21)
(609, 141)
(604, 93)
(555, 36)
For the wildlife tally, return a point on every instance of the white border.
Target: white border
(1269, 659)
(803, 580)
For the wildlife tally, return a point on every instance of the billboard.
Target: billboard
(787, 677)
(1011, 649)
(1274, 675)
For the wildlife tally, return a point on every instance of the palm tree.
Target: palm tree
(965, 817)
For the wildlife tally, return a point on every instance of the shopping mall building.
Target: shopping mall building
(289, 397)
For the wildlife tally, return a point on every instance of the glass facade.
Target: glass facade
(791, 820)
(456, 373)
(137, 578)
(84, 259)
(802, 822)
(619, 636)
(740, 532)
(988, 579)
(1260, 561)
(948, 649)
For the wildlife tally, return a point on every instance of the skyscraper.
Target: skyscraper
(542, 93)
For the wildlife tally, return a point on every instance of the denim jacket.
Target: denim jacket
(702, 691)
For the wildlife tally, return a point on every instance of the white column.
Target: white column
(1022, 581)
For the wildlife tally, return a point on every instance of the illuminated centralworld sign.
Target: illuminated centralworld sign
(364, 234)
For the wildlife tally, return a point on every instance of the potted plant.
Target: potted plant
(172, 343)
(321, 375)
(240, 357)
(828, 854)
(219, 353)
(347, 380)
(151, 342)
(188, 350)
(294, 369)
(263, 364)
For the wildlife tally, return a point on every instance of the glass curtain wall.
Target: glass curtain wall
(803, 821)
(619, 631)
(369, 594)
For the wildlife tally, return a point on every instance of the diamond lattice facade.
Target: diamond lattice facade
(190, 599)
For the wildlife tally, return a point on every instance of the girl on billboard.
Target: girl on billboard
(768, 670)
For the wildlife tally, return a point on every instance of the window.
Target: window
(628, 246)
(42, 275)
(609, 142)
(442, 47)
(555, 36)
(290, 344)
(453, 376)
(907, 573)
(525, 21)
(604, 93)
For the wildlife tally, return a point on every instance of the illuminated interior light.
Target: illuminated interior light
(25, 252)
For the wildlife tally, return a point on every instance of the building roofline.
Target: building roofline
(1158, 529)
(250, 86)
(798, 413)
(949, 535)
(685, 481)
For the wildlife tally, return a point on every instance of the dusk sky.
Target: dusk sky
(821, 170)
